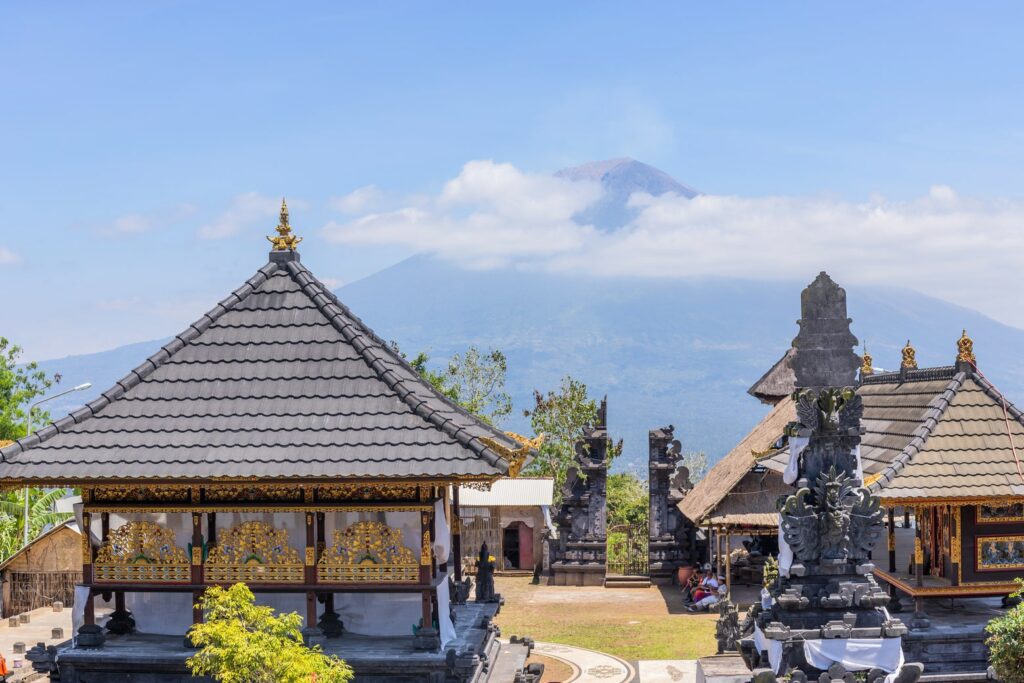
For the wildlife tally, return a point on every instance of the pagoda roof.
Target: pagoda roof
(280, 380)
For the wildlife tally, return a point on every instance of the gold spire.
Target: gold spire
(285, 240)
(865, 367)
(909, 357)
(965, 349)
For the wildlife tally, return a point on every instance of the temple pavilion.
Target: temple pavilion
(279, 442)
(943, 449)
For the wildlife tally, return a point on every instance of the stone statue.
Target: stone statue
(727, 628)
(485, 576)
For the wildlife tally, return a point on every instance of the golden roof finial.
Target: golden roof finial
(285, 240)
(909, 357)
(965, 349)
(865, 367)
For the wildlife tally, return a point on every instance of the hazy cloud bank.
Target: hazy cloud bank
(966, 250)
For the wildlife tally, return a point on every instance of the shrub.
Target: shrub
(1006, 642)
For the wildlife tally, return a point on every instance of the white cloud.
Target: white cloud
(369, 198)
(8, 257)
(966, 250)
(131, 223)
(245, 210)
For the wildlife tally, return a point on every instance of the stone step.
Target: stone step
(627, 582)
(961, 677)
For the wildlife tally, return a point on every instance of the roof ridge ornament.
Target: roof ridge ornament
(865, 367)
(909, 358)
(285, 240)
(965, 349)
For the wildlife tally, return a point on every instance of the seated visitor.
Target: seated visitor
(705, 594)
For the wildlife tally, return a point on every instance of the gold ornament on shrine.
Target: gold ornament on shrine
(865, 366)
(285, 240)
(965, 349)
(368, 552)
(909, 357)
(254, 552)
(141, 551)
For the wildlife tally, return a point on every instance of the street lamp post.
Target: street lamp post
(28, 431)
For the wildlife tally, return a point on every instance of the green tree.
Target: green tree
(40, 517)
(474, 380)
(19, 385)
(242, 642)
(1006, 642)
(561, 416)
(628, 499)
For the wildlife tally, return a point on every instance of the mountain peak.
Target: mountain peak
(621, 178)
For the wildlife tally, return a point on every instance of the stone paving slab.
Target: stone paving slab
(667, 671)
(593, 667)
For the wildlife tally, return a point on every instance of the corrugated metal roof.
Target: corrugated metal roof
(509, 493)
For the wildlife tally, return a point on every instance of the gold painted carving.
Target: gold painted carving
(252, 493)
(86, 539)
(310, 556)
(368, 552)
(515, 457)
(254, 552)
(339, 492)
(918, 551)
(965, 349)
(999, 553)
(144, 552)
(197, 556)
(285, 240)
(891, 539)
(425, 552)
(909, 357)
(136, 494)
(955, 541)
(996, 514)
(865, 365)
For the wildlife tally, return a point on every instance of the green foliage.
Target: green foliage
(474, 380)
(771, 571)
(697, 463)
(40, 517)
(242, 642)
(627, 499)
(1006, 642)
(561, 416)
(19, 385)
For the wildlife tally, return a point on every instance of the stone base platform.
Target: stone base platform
(472, 657)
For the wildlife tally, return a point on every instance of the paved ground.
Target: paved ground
(587, 666)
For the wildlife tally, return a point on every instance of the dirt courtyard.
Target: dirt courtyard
(630, 623)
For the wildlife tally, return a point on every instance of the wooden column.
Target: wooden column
(955, 545)
(310, 549)
(197, 548)
(211, 529)
(718, 552)
(456, 533)
(87, 556)
(426, 569)
(311, 617)
(892, 540)
(728, 563)
(919, 546)
(711, 548)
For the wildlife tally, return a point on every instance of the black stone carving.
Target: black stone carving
(331, 625)
(832, 521)
(459, 590)
(672, 540)
(121, 622)
(727, 628)
(578, 553)
(485, 576)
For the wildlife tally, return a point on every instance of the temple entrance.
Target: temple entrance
(517, 547)
(628, 550)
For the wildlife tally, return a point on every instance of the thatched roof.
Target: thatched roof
(778, 383)
(752, 502)
(730, 470)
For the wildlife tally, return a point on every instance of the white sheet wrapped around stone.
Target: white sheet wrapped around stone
(797, 444)
(445, 625)
(772, 647)
(856, 654)
(78, 609)
(442, 534)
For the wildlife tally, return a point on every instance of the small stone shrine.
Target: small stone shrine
(825, 600)
(672, 541)
(578, 554)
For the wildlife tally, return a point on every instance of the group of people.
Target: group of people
(704, 589)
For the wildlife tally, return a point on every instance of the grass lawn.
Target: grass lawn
(630, 623)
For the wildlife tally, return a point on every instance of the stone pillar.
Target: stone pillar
(579, 553)
(672, 538)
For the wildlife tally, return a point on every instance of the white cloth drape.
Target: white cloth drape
(444, 620)
(860, 466)
(857, 654)
(772, 647)
(442, 534)
(797, 444)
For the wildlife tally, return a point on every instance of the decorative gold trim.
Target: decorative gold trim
(251, 493)
(141, 552)
(948, 500)
(86, 539)
(918, 551)
(310, 556)
(515, 458)
(254, 552)
(197, 556)
(909, 361)
(974, 588)
(865, 365)
(368, 552)
(135, 494)
(206, 508)
(285, 240)
(965, 349)
(1012, 566)
(336, 492)
(1001, 519)
(426, 553)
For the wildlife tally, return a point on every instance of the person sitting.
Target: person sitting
(705, 594)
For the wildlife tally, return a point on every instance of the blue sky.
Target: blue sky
(143, 142)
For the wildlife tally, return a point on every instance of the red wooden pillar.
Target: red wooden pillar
(87, 555)
(197, 548)
(456, 533)
(311, 616)
(426, 568)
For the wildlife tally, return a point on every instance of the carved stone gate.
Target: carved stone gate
(628, 550)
